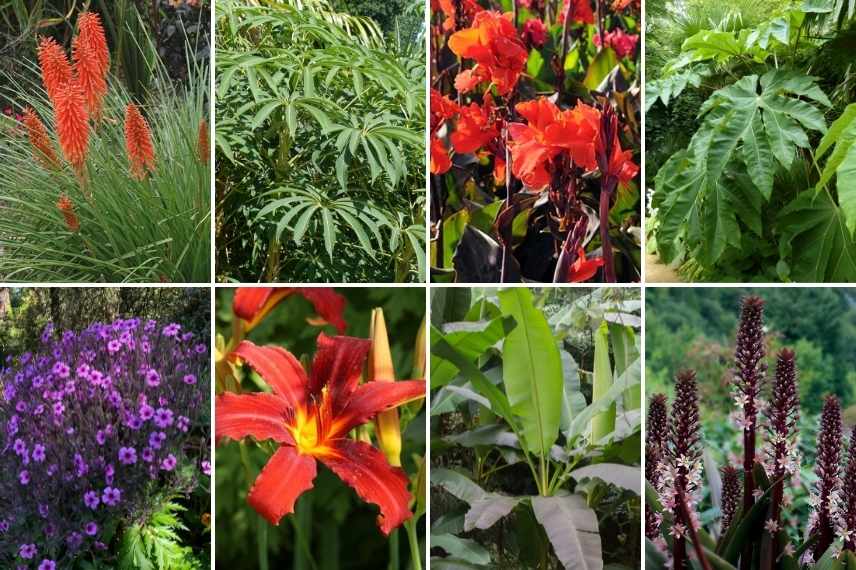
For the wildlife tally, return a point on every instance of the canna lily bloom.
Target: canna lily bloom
(72, 124)
(43, 150)
(138, 142)
(66, 208)
(469, 8)
(475, 127)
(494, 44)
(583, 269)
(203, 147)
(581, 11)
(56, 71)
(310, 417)
(534, 32)
(252, 304)
(440, 161)
(549, 132)
(91, 62)
(622, 43)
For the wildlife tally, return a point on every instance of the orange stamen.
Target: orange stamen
(138, 141)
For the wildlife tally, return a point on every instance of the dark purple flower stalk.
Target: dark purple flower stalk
(848, 524)
(748, 379)
(656, 438)
(783, 415)
(730, 495)
(678, 486)
(827, 470)
(96, 428)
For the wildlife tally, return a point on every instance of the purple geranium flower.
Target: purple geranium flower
(91, 499)
(111, 496)
(47, 564)
(163, 417)
(190, 379)
(27, 551)
(206, 468)
(38, 453)
(127, 455)
(91, 528)
(171, 329)
(24, 477)
(152, 378)
(168, 463)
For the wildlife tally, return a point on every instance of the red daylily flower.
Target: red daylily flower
(252, 304)
(549, 132)
(493, 43)
(440, 161)
(310, 417)
(583, 269)
(580, 11)
(475, 127)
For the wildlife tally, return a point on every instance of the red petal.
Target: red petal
(337, 365)
(329, 304)
(365, 469)
(279, 368)
(249, 301)
(285, 477)
(261, 416)
(372, 398)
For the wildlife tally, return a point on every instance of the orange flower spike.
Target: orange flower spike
(43, 150)
(91, 61)
(138, 142)
(72, 124)
(66, 208)
(56, 70)
(203, 146)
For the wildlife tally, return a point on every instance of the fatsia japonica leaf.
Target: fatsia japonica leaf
(752, 126)
(572, 529)
(671, 86)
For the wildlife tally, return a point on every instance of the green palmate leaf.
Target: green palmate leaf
(603, 423)
(461, 548)
(846, 177)
(572, 529)
(672, 85)
(750, 127)
(532, 371)
(816, 242)
(710, 44)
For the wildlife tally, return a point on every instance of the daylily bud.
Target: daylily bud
(387, 425)
(419, 352)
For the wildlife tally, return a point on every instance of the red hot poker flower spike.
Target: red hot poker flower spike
(310, 417)
(56, 71)
(252, 304)
(43, 150)
(72, 124)
(66, 208)
(203, 147)
(138, 141)
(91, 61)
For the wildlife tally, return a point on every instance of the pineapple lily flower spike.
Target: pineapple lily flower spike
(310, 417)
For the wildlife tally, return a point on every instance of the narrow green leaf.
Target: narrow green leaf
(603, 423)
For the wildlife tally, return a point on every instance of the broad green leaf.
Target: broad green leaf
(846, 177)
(532, 370)
(816, 242)
(625, 353)
(471, 342)
(457, 484)
(710, 44)
(573, 530)
(599, 68)
(603, 423)
(486, 511)
(461, 548)
(622, 476)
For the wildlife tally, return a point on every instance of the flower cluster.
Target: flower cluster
(730, 495)
(94, 428)
(621, 42)
(825, 497)
(656, 439)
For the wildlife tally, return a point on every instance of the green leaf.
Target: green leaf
(846, 177)
(599, 68)
(329, 231)
(461, 548)
(264, 112)
(603, 423)
(573, 530)
(622, 476)
(816, 243)
(303, 224)
(532, 370)
(471, 341)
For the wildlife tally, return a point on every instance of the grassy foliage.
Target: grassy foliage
(319, 146)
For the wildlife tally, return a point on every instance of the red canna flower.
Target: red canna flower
(310, 417)
(475, 127)
(534, 33)
(442, 109)
(454, 18)
(56, 71)
(138, 142)
(72, 124)
(91, 61)
(622, 43)
(440, 161)
(493, 43)
(43, 150)
(252, 304)
(580, 11)
(66, 208)
(203, 147)
(583, 269)
(549, 132)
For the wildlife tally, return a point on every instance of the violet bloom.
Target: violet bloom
(152, 378)
(146, 412)
(163, 417)
(58, 408)
(19, 447)
(183, 423)
(206, 468)
(168, 463)
(61, 369)
(27, 551)
(91, 500)
(47, 565)
(113, 346)
(148, 454)
(156, 439)
(91, 528)
(38, 453)
(127, 455)
(190, 379)
(171, 329)
(24, 477)
(111, 496)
